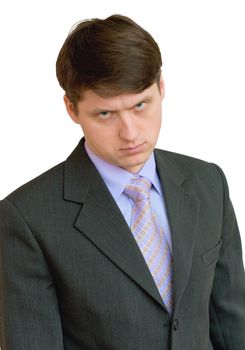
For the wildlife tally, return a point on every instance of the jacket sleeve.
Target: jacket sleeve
(29, 313)
(227, 303)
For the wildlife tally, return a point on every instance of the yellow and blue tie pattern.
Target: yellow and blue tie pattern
(151, 239)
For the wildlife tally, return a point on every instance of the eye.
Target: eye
(104, 115)
(140, 106)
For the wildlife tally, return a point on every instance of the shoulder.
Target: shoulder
(48, 184)
(187, 164)
(193, 171)
(39, 188)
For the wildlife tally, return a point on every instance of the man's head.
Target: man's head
(111, 73)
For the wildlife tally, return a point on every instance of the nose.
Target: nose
(128, 130)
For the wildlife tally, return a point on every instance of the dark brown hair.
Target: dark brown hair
(110, 57)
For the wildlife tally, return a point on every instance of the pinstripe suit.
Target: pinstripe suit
(72, 276)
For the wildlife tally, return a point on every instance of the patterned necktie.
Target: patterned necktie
(151, 239)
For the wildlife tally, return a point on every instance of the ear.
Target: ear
(162, 88)
(71, 110)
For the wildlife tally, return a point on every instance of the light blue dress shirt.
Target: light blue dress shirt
(116, 180)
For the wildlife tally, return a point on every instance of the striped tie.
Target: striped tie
(151, 239)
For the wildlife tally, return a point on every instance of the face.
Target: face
(122, 130)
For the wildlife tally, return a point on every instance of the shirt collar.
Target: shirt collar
(117, 178)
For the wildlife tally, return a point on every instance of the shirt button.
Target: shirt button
(175, 324)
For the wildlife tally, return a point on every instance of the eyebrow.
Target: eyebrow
(100, 110)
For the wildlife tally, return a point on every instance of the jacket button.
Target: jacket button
(175, 324)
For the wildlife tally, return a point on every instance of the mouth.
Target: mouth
(134, 149)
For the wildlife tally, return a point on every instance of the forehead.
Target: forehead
(92, 100)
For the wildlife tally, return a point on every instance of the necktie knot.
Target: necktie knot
(138, 188)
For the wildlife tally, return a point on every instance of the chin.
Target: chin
(133, 167)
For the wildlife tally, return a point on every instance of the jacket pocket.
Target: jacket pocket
(211, 256)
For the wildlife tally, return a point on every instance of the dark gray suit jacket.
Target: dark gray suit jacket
(72, 276)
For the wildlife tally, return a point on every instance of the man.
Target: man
(122, 246)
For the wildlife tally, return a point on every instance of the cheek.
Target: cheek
(91, 129)
(154, 121)
(100, 135)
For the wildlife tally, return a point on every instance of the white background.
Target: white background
(202, 44)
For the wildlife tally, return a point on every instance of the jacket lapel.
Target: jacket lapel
(101, 221)
(183, 211)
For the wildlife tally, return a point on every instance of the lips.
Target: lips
(133, 149)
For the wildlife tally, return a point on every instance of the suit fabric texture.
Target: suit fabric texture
(72, 276)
